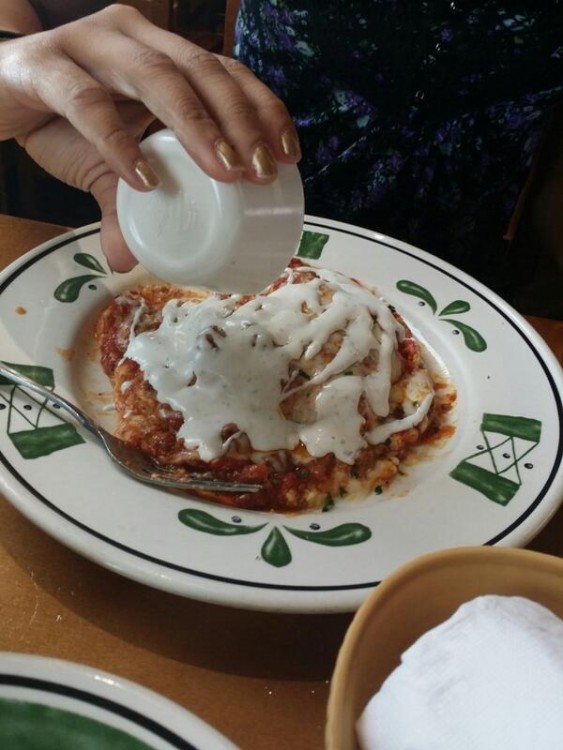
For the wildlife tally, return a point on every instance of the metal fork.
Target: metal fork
(132, 461)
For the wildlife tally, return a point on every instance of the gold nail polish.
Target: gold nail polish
(290, 144)
(263, 162)
(147, 174)
(228, 156)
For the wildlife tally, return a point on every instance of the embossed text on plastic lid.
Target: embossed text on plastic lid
(194, 230)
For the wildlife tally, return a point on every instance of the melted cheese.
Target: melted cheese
(221, 362)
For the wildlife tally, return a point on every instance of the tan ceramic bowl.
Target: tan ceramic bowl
(417, 597)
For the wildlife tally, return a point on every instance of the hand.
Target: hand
(79, 97)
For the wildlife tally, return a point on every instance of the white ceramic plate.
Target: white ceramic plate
(77, 706)
(496, 481)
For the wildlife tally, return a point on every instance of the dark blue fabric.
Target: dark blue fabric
(417, 119)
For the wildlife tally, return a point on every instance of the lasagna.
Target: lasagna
(315, 389)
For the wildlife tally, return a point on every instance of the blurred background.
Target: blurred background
(536, 237)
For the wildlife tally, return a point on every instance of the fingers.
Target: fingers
(114, 247)
(213, 106)
(103, 187)
(64, 152)
(251, 118)
(213, 112)
(149, 75)
(89, 107)
(271, 111)
(225, 118)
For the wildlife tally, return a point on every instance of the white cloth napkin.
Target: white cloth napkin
(489, 678)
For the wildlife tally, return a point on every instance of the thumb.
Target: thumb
(63, 152)
(104, 190)
(113, 243)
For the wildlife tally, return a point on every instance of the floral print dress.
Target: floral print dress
(417, 118)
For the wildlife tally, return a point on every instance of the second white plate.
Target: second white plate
(76, 706)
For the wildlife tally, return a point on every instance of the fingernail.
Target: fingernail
(228, 156)
(146, 173)
(290, 144)
(263, 163)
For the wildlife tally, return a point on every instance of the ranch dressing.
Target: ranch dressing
(219, 364)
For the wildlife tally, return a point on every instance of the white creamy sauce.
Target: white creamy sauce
(218, 364)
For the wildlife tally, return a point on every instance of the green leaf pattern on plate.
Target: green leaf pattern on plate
(89, 261)
(42, 441)
(275, 549)
(456, 308)
(34, 428)
(42, 375)
(339, 536)
(69, 289)
(472, 338)
(507, 440)
(415, 290)
(199, 520)
(312, 244)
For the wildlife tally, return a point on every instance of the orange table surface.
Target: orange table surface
(260, 678)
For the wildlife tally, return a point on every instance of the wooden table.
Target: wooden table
(259, 678)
